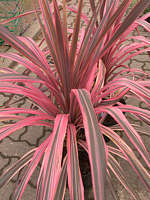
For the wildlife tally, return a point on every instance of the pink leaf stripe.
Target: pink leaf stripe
(76, 30)
(32, 166)
(119, 173)
(51, 166)
(133, 136)
(18, 78)
(21, 15)
(16, 167)
(61, 182)
(10, 111)
(139, 8)
(95, 143)
(29, 121)
(33, 93)
(40, 55)
(136, 87)
(74, 175)
(16, 43)
(128, 154)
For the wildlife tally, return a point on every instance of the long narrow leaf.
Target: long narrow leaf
(6, 130)
(17, 166)
(32, 166)
(73, 47)
(119, 173)
(133, 136)
(129, 155)
(95, 143)
(51, 165)
(136, 11)
(61, 186)
(74, 175)
(16, 43)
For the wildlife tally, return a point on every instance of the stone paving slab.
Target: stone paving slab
(13, 147)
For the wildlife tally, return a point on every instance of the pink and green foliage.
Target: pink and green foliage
(85, 82)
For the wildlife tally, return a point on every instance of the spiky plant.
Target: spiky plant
(86, 81)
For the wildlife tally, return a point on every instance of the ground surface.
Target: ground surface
(14, 146)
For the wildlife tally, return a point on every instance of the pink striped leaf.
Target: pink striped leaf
(135, 86)
(133, 136)
(65, 28)
(139, 8)
(47, 34)
(18, 45)
(76, 30)
(121, 176)
(33, 93)
(44, 73)
(51, 165)
(61, 185)
(64, 57)
(95, 143)
(129, 155)
(17, 17)
(96, 41)
(135, 110)
(146, 49)
(16, 167)
(74, 174)
(6, 130)
(99, 82)
(10, 111)
(143, 23)
(28, 64)
(89, 81)
(18, 78)
(115, 151)
(50, 35)
(126, 50)
(85, 41)
(38, 52)
(32, 166)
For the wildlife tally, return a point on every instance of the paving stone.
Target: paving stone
(146, 67)
(136, 64)
(16, 149)
(6, 191)
(4, 163)
(142, 58)
(33, 135)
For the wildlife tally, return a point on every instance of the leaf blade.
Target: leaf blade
(94, 141)
(74, 175)
(51, 165)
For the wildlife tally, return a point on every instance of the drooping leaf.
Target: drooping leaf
(6, 130)
(32, 166)
(33, 93)
(61, 185)
(95, 143)
(74, 175)
(129, 155)
(133, 136)
(119, 173)
(16, 167)
(51, 166)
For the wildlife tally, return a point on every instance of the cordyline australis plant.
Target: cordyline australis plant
(76, 92)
